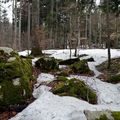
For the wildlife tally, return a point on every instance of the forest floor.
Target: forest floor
(48, 106)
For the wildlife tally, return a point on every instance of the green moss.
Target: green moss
(102, 117)
(80, 67)
(116, 115)
(76, 88)
(115, 79)
(62, 78)
(11, 94)
(47, 64)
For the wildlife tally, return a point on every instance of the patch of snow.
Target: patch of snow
(0, 86)
(45, 77)
(62, 66)
(48, 106)
(6, 49)
(11, 59)
(25, 53)
(52, 107)
(16, 81)
(34, 60)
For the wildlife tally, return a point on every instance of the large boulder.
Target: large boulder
(15, 76)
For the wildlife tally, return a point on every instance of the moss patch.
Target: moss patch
(102, 117)
(113, 76)
(75, 88)
(47, 64)
(81, 67)
(116, 115)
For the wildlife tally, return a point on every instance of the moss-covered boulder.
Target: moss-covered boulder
(75, 88)
(47, 64)
(36, 51)
(69, 61)
(81, 67)
(15, 76)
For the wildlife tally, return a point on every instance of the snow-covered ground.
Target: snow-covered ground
(48, 106)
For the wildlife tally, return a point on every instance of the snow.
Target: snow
(16, 81)
(48, 106)
(25, 53)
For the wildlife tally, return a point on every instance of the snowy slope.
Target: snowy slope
(48, 106)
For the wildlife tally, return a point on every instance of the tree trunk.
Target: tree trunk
(20, 17)
(90, 30)
(108, 36)
(15, 26)
(100, 29)
(86, 30)
(29, 24)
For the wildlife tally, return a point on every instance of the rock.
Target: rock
(81, 67)
(69, 61)
(91, 59)
(11, 59)
(6, 49)
(73, 87)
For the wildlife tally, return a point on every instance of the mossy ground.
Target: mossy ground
(112, 75)
(75, 88)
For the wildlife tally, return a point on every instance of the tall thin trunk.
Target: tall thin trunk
(20, 17)
(29, 25)
(69, 37)
(38, 7)
(90, 30)
(116, 27)
(15, 26)
(108, 36)
(86, 31)
(100, 30)
(51, 29)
